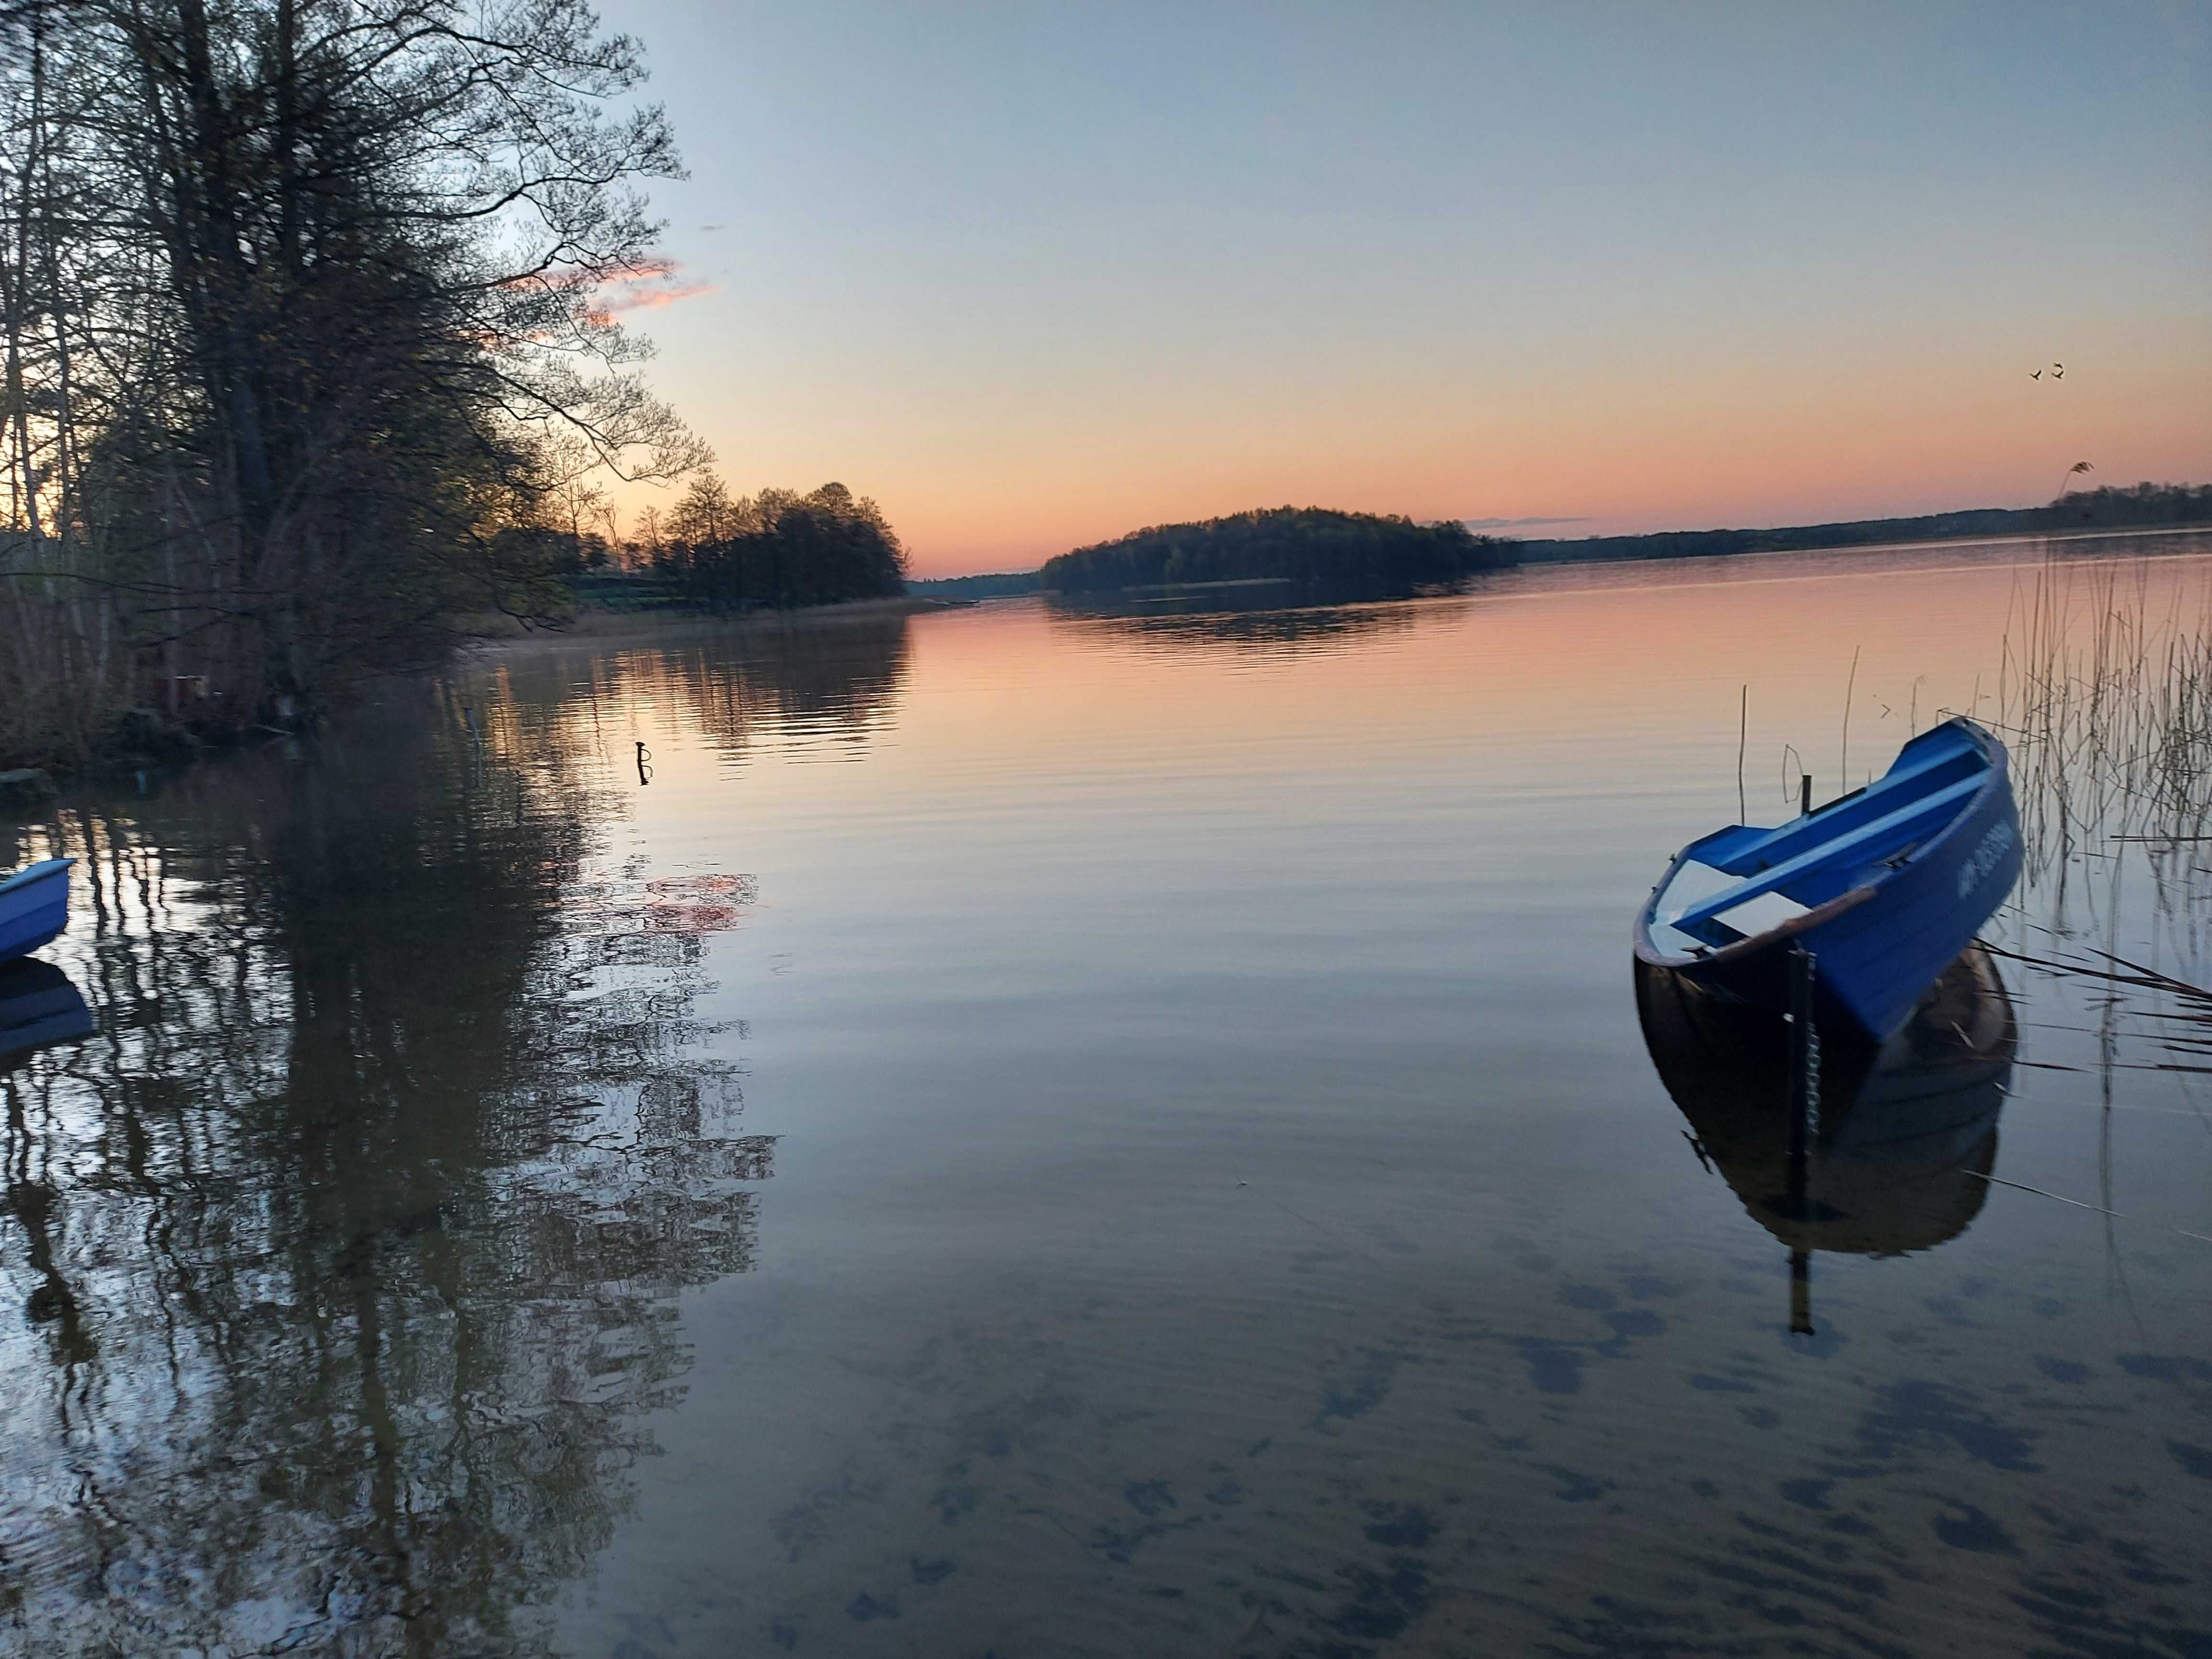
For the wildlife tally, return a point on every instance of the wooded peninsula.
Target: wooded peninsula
(1290, 544)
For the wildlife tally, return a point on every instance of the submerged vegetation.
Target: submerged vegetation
(1288, 544)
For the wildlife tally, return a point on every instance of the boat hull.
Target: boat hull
(1879, 946)
(33, 908)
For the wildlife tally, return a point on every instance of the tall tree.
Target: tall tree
(301, 324)
(706, 513)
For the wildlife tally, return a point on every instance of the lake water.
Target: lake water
(1022, 1133)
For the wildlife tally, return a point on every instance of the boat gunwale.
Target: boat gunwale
(1993, 777)
(43, 870)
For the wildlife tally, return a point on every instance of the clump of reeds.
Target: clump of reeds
(2105, 699)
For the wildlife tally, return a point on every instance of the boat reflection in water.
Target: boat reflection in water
(40, 1005)
(1907, 1134)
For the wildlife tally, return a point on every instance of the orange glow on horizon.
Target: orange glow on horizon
(1652, 447)
(1801, 274)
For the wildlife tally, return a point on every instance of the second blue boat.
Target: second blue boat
(33, 907)
(1886, 886)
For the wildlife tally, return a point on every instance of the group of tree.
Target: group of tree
(1311, 545)
(304, 354)
(778, 548)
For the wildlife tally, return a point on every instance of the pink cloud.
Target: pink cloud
(653, 298)
(647, 289)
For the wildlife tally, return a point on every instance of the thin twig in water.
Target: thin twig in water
(1742, 735)
(2022, 1187)
(1844, 760)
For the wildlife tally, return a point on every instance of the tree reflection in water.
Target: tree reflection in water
(799, 683)
(1256, 619)
(339, 1268)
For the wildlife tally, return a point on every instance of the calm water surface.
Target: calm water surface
(1035, 1134)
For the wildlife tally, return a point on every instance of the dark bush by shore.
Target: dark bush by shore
(1290, 544)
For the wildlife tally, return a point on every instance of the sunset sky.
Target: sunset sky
(1033, 276)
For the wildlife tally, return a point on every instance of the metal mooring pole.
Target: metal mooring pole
(1805, 794)
(1804, 1071)
(1804, 1116)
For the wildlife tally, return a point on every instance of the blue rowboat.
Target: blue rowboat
(33, 907)
(1886, 886)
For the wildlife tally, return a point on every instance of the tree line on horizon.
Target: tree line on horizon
(2144, 503)
(2114, 507)
(2107, 507)
(1294, 544)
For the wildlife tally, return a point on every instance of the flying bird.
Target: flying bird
(2035, 374)
(2058, 371)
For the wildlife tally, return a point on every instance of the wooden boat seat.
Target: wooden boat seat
(1841, 848)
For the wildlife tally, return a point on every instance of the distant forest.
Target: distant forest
(2089, 509)
(1295, 544)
